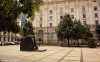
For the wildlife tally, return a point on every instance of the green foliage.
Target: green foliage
(11, 9)
(77, 30)
(30, 6)
(64, 29)
(67, 29)
(21, 31)
(31, 28)
(91, 43)
(15, 28)
(87, 34)
(8, 15)
(98, 29)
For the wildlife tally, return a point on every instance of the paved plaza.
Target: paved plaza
(53, 54)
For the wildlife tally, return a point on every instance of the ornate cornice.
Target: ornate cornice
(53, 2)
(61, 1)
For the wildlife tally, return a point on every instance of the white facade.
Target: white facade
(87, 11)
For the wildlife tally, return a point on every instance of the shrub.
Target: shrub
(91, 43)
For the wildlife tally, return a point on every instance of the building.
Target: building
(9, 36)
(51, 13)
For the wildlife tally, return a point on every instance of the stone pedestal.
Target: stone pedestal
(28, 44)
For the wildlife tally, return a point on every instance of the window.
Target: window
(84, 22)
(85, 0)
(40, 18)
(72, 9)
(50, 18)
(94, 0)
(50, 24)
(83, 8)
(61, 17)
(95, 8)
(61, 11)
(96, 22)
(50, 11)
(72, 16)
(61, 8)
(96, 14)
(40, 25)
(84, 15)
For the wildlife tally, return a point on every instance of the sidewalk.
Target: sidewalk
(91, 54)
(53, 54)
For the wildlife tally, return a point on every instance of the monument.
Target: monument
(28, 42)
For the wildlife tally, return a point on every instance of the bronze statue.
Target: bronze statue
(28, 43)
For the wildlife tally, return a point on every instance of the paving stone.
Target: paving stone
(54, 57)
(53, 54)
(47, 60)
(72, 58)
(70, 61)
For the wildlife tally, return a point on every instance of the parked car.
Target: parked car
(2, 43)
(17, 42)
(9, 43)
(12, 43)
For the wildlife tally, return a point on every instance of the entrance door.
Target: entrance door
(40, 35)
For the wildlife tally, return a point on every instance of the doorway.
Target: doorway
(40, 35)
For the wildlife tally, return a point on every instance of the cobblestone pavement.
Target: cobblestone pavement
(53, 54)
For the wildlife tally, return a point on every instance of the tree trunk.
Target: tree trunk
(71, 41)
(78, 42)
(82, 41)
(68, 42)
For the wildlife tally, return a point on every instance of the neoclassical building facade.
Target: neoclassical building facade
(9, 36)
(52, 11)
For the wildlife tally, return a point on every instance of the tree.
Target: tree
(30, 6)
(21, 31)
(81, 31)
(64, 29)
(8, 15)
(98, 31)
(11, 9)
(87, 34)
(91, 43)
(78, 30)
(31, 28)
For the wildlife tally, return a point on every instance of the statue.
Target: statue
(28, 43)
